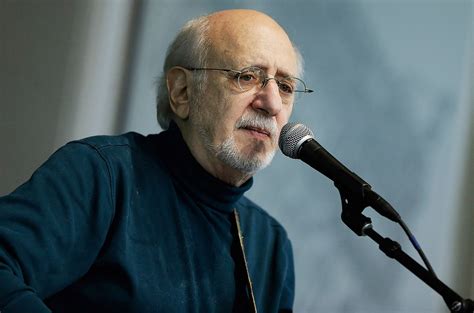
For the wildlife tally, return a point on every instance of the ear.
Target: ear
(178, 91)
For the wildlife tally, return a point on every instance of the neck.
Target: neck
(230, 175)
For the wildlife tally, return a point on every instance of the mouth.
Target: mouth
(257, 131)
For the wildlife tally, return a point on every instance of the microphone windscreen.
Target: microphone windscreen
(292, 135)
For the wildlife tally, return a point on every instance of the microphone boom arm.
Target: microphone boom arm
(352, 207)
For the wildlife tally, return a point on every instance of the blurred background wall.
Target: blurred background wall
(394, 101)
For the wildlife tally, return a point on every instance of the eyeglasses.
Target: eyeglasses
(251, 77)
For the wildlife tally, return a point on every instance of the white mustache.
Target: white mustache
(263, 122)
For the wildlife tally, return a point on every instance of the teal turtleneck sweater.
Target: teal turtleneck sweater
(134, 224)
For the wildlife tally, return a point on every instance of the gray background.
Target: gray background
(393, 101)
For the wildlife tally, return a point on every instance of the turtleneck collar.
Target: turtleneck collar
(193, 177)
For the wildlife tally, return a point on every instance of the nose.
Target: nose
(268, 98)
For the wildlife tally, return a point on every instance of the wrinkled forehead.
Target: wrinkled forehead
(244, 40)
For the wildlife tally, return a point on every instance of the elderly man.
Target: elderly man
(159, 223)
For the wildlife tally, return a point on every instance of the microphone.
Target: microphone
(297, 141)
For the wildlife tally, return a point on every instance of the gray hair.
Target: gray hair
(191, 48)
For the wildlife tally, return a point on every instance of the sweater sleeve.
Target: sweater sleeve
(53, 226)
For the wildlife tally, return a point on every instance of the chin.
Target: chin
(248, 159)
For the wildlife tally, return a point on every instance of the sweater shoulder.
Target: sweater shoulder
(101, 142)
(122, 149)
(249, 207)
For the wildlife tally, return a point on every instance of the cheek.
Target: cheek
(235, 108)
(283, 117)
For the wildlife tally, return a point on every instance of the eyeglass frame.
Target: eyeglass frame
(264, 82)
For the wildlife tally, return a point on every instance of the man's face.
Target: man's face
(242, 138)
(241, 128)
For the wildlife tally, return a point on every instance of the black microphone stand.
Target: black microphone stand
(353, 203)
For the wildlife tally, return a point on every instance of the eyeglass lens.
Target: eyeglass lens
(256, 77)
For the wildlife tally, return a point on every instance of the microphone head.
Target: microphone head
(292, 136)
